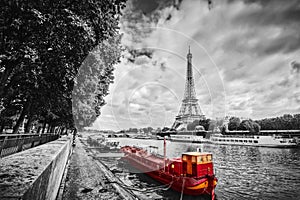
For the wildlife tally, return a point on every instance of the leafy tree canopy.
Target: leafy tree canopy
(43, 44)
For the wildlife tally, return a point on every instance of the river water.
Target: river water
(243, 172)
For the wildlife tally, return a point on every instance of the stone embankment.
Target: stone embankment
(57, 171)
(34, 174)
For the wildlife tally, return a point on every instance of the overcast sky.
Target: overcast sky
(246, 60)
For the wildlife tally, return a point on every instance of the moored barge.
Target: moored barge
(191, 174)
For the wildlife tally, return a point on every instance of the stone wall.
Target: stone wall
(34, 174)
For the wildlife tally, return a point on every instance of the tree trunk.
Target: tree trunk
(44, 127)
(49, 127)
(52, 129)
(38, 130)
(20, 120)
(62, 130)
(29, 124)
(2, 127)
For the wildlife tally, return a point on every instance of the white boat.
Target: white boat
(189, 136)
(144, 137)
(254, 140)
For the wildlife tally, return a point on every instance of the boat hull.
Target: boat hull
(187, 185)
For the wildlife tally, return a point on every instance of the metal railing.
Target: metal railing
(13, 143)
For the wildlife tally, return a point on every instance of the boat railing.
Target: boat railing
(236, 136)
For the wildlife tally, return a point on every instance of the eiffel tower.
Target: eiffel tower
(190, 109)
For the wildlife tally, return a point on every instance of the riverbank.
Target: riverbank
(87, 178)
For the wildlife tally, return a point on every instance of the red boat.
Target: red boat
(191, 174)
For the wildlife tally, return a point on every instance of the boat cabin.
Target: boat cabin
(197, 164)
(175, 166)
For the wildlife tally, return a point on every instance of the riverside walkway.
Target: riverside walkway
(56, 171)
(87, 178)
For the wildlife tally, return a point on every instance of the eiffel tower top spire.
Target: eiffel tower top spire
(189, 86)
(189, 55)
(190, 109)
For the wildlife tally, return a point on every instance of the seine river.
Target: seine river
(243, 172)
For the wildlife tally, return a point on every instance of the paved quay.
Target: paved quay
(86, 178)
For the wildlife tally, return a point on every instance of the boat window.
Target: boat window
(204, 158)
(236, 140)
(209, 158)
(231, 141)
(240, 140)
(245, 140)
(250, 141)
(193, 158)
(199, 159)
(184, 157)
(255, 141)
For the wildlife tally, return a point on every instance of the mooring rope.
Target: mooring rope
(146, 190)
(183, 182)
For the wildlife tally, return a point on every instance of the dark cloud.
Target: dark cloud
(140, 17)
(146, 6)
(276, 12)
(284, 44)
(272, 4)
(283, 15)
(169, 17)
(295, 67)
(135, 53)
(140, 14)
(163, 67)
(283, 83)
(149, 6)
(141, 109)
